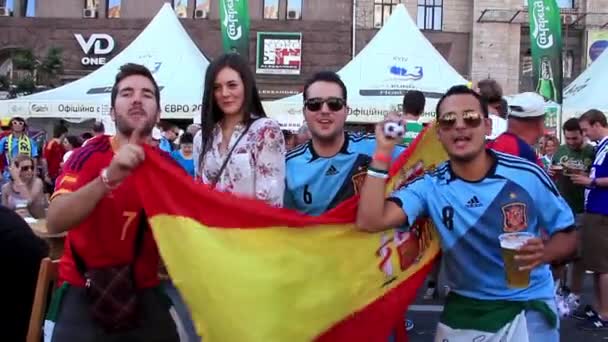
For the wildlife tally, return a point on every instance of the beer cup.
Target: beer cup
(510, 243)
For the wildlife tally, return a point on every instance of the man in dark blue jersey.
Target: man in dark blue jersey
(594, 235)
(327, 170)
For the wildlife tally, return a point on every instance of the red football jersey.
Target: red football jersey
(53, 153)
(107, 236)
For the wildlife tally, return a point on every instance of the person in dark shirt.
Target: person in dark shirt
(22, 252)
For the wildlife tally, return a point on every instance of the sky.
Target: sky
(31, 8)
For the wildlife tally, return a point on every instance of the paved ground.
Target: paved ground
(426, 315)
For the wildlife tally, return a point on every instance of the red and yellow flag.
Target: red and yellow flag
(253, 273)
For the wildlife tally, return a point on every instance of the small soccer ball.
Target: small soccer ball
(394, 130)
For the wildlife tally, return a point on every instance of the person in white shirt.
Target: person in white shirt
(241, 150)
(491, 92)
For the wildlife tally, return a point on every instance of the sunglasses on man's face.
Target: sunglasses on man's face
(333, 103)
(471, 119)
(26, 168)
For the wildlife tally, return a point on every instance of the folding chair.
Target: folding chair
(46, 279)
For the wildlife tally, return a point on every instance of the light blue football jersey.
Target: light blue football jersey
(315, 184)
(516, 195)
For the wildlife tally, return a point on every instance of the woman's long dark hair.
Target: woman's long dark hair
(211, 113)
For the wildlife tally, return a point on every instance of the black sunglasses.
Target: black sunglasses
(26, 168)
(333, 103)
(471, 119)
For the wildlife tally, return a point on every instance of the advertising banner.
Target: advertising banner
(234, 21)
(279, 53)
(546, 43)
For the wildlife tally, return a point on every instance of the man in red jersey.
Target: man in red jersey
(53, 155)
(96, 203)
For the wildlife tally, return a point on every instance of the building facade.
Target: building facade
(480, 39)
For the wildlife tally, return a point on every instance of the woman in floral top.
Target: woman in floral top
(233, 116)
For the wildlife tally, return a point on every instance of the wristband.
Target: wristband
(377, 174)
(373, 169)
(383, 158)
(104, 179)
(593, 183)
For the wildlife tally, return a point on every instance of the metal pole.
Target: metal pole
(354, 52)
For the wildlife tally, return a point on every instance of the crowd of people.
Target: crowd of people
(494, 182)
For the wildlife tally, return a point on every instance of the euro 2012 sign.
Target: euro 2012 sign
(279, 53)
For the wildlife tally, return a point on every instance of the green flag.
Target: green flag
(546, 42)
(234, 19)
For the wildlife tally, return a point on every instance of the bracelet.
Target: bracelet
(104, 179)
(383, 158)
(377, 174)
(373, 169)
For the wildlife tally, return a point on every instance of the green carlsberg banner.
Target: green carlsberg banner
(546, 43)
(234, 19)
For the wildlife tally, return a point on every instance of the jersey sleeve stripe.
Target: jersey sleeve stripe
(297, 149)
(359, 137)
(293, 155)
(78, 154)
(543, 179)
(77, 161)
(519, 161)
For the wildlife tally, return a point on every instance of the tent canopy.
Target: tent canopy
(588, 90)
(399, 58)
(163, 46)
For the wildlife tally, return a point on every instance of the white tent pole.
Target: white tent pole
(354, 29)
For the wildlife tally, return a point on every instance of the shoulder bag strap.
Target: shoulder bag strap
(227, 159)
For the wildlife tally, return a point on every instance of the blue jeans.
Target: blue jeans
(182, 311)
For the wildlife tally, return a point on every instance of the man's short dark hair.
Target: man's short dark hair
(131, 69)
(592, 116)
(463, 90)
(98, 127)
(504, 108)
(59, 130)
(490, 90)
(325, 76)
(413, 102)
(186, 138)
(571, 125)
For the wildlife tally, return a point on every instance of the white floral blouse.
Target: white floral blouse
(257, 164)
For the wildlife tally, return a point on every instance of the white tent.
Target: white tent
(163, 46)
(588, 90)
(397, 59)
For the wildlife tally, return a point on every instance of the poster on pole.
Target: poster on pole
(546, 44)
(279, 53)
(235, 21)
(597, 41)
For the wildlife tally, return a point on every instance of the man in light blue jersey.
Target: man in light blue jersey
(473, 198)
(331, 166)
(326, 170)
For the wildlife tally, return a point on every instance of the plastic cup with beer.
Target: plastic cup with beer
(510, 243)
(556, 169)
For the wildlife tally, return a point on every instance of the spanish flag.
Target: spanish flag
(253, 273)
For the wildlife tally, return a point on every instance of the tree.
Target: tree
(33, 72)
(51, 66)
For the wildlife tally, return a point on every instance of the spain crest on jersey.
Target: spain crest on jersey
(515, 218)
